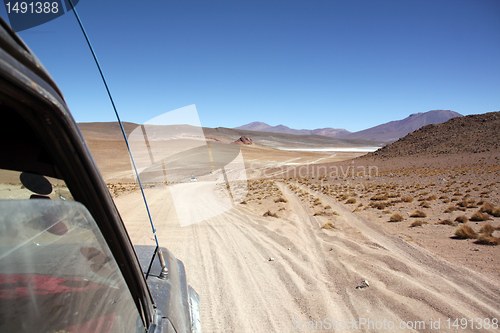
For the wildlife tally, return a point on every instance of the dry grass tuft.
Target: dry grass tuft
(328, 225)
(450, 209)
(417, 223)
(496, 212)
(379, 205)
(464, 232)
(418, 213)
(281, 199)
(351, 201)
(447, 222)
(487, 229)
(425, 204)
(487, 208)
(407, 199)
(485, 239)
(396, 217)
(269, 213)
(462, 219)
(379, 198)
(478, 216)
(319, 213)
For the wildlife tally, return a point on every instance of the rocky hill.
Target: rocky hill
(468, 134)
(396, 129)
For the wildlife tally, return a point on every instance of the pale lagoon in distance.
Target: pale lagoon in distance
(336, 149)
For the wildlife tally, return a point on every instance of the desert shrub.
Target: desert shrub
(281, 199)
(379, 198)
(425, 204)
(379, 205)
(417, 223)
(485, 239)
(443, 197)
(462, 219)
(396, 217)
(464, 232)
(328, 207)
(447, 222)
(487, 208)
(351, 201)
(243, 202)
(478, 216)
(407, 199)
(328, 225)
(418, 213)
(450, 209)
(317, 201)
(269, 213)
(496, 212)
(430, 198)
(487, 229)
(281, 208)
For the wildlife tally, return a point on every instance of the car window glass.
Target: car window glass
(57, 273)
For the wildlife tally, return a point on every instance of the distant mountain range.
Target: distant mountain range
(387, 132)
(263, 127)
(470, 134)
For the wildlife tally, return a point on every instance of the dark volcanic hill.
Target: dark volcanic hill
(263, 127)
(469, 134)
(394, 130)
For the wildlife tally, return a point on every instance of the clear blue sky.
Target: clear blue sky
(305, 64)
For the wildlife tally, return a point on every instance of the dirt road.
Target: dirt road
(314, 272)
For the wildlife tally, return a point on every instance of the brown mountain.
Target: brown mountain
(387, 132)
(394, 130)
(263, 127)
(469, 134)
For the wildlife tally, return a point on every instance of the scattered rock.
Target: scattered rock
(244, 140)
(363, 284)
(270, 259)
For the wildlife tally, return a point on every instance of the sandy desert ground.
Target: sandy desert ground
(293, 255)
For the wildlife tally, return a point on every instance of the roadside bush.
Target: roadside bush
(269, 213)
(417, 223)
(487, 208)
(396, 217)
(328, 225)
(464, 232)
(418, 213)
(379, 198)
(487, 229)
(462, 219)
(484, 239)
(478, 216)
(447, 222)
(450, 209)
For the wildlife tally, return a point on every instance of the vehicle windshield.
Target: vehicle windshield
(57, 273)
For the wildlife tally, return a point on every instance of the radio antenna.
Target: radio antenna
(164, 270)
